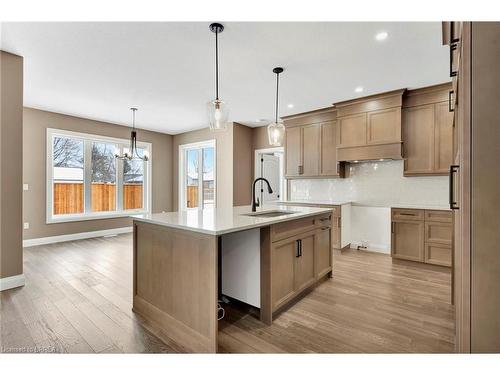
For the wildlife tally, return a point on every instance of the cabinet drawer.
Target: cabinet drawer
(407, 214)
(440, 233)
(294, 227)
(438, 215)
(438, 254)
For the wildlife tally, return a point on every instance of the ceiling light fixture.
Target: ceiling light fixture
(290, 105)
(134, 154)
(217, 110)
(358, 89)
(276, 130)
(381, 36)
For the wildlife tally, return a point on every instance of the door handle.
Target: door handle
(453, 204)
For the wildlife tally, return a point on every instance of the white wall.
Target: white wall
(374, 187)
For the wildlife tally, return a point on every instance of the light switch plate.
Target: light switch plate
(26, 187)
(26, 225)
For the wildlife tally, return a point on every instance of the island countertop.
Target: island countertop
(217, 221)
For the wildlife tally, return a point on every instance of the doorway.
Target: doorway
(269, 164)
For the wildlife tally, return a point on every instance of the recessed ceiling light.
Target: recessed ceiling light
(358, 89)
(381, 35)
(290, 105)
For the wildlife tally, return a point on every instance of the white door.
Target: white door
(270, 170)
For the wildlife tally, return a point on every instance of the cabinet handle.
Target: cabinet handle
(453, 204)
(392, 227)
(407, 214)
(325, 228)
(450, 107)
(324, 219)
(301, 169)
(453, 47)
(452, 33)
(298, 249)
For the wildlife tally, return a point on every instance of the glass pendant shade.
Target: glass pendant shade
(276, 133)
(218, 112)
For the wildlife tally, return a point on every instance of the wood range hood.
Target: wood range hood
(370, 128)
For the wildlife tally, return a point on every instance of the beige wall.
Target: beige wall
(34, 170)
(11, 164)
(259, 138)
(242, 164)
(224, 160)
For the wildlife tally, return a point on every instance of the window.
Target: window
(197, 175)
(86, 181)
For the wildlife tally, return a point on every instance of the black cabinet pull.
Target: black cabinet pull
(450, 107)
(453, 204)
(453, 47)
(300, 248)
(452, 33)
(297, 254)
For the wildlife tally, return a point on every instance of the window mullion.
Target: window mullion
(87, 179)
(119, 181)
(200, 178)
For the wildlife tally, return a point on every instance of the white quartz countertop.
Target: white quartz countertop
(422, 207)
(314, 201)
(219, 221)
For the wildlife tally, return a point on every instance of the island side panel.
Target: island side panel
(175, 284)
(266, 308)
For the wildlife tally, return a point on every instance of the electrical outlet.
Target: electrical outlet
(26, 187)
(26, 225)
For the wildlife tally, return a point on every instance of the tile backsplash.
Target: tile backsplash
(377, 183)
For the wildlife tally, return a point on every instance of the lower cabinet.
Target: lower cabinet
(298, 262)
(422, 236)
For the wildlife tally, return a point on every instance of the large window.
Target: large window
(197, 175)
(86, 181)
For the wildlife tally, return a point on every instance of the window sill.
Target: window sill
(70, 218)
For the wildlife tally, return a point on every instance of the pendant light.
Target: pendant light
(276, 130)
(133, 153)
(217, 110)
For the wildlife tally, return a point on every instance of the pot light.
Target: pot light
(359, 89)
(381, 35)
(290, 105)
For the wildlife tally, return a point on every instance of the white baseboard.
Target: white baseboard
(377, 248)
(75, 236)
(11, 282)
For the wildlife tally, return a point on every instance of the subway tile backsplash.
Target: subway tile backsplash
(377, 183)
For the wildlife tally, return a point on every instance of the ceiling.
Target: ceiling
(98, 70)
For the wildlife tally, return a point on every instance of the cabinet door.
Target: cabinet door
(329, 165)
(304, 264)
(293, 151)
(323, 252)
(408, 240)
(418, 137)
(438, 254)
(351, 130)
(283, 262)
(311, 150)
(384, 126)
(443, 138)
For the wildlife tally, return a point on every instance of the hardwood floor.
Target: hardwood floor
(78, 298)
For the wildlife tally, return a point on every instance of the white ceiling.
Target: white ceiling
(99, 70)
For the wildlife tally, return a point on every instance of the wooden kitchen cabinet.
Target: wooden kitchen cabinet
(427, 131)
(422, 235)
(310, 145)
(293, 151)
(408, 240)
(323, 252)
(283, 265)
(352, 130)
(304, 263)
(299, 257)
(311, 153)
(384, 126)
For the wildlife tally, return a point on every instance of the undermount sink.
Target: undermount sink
(271, 213)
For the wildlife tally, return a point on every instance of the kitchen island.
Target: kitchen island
(184, 261)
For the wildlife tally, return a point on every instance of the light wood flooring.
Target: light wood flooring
(78, 298)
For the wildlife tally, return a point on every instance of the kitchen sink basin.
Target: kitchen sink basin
(270, 213)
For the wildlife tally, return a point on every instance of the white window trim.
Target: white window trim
(182, 172)
(51, 218)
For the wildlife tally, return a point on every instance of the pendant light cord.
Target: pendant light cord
(217, 64)
(277, 95)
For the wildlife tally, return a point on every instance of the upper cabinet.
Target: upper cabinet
(310, 144)
(370, 128)
(427, 131)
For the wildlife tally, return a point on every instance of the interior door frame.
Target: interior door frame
(281, 149)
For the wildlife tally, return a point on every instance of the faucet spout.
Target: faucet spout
(256, 201)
